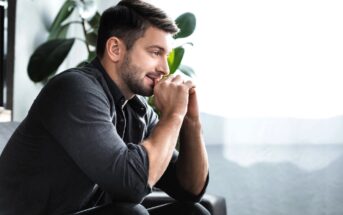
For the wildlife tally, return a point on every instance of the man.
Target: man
(90, 139)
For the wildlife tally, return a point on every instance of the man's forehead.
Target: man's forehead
(158, 38)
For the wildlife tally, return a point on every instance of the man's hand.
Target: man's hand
(193, 108)
(172, 97)
(192, 164)
(172, 100)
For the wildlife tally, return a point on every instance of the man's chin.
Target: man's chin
(150, 93)
(146, 92)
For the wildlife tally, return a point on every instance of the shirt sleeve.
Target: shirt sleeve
(169, 182)
(75, 110)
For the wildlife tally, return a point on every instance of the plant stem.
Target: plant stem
(85, 33)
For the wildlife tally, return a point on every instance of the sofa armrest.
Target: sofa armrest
(6, 130)
(216, 205)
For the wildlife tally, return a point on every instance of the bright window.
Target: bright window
(267, 58)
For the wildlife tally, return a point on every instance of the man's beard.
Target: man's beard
(130, 74)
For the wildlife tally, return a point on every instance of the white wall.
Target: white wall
(32, 21)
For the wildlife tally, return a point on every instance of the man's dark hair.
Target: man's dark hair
(128, 20)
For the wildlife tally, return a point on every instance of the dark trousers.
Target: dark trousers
(134, 209)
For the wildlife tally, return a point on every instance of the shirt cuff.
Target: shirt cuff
(190, 197)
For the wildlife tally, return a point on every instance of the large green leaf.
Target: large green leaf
(47, 58)
(186, 23)
(175, 58)
(59, 33)
(65, 11)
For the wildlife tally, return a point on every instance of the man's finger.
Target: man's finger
(168, 77)
(177, 79)
(192, 90)
(190, 84)
(165, 78)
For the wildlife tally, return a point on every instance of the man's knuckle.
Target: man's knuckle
(181, 87)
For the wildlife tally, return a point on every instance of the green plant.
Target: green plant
(46, 59)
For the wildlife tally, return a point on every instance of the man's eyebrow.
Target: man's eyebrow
(157, 47)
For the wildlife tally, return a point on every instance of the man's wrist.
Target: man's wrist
(192, 123)
(177, 119)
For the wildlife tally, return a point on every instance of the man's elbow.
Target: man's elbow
(129, 176)
(133, 193)
(137, 195)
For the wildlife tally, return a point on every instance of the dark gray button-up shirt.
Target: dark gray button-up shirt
(81, 139)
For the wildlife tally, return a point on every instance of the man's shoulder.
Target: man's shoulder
(75, 83)
(78, 74)
(73, 86)
(77, 78)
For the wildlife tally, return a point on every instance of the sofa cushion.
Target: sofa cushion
(6, 130)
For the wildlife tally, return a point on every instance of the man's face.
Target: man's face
(146, 62)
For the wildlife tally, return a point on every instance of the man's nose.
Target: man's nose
(163, 67)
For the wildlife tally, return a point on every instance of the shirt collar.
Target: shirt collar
(119, 99)
(116, 93)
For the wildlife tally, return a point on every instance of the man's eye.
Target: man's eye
(156, 53)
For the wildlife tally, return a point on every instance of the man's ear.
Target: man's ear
(114, 48)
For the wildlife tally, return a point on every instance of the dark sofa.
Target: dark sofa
(215, 204)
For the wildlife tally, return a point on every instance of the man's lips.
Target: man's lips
(154, 78)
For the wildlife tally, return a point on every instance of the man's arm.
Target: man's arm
(76, 114)
(192, 164)
(171, 99)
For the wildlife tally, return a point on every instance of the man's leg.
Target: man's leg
(179, 209)
(116, 209)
